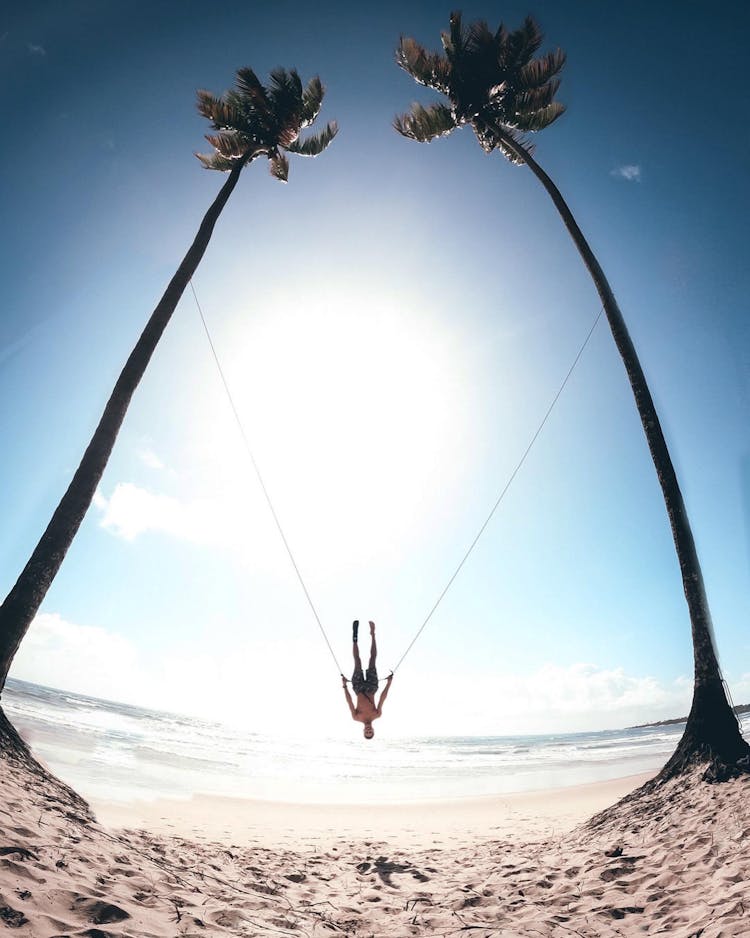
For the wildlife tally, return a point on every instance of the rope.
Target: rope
(731, 704)
(260, 480)
(508, 484)
(473, 544)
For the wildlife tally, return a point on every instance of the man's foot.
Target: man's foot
(372, 628)
(355, 629)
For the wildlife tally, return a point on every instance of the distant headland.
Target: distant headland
(740, 708)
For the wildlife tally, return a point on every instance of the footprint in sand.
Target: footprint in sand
(18, 869)
(97, 912)
(12, 918)
(625, 910)
(97, 933)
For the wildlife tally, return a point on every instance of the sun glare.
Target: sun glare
(357, 414)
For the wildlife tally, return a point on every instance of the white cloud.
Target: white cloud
(215, 522)
(35, 49)
(235, 519)
(581, 688)
(131, 511)
(630, 172)
(552, 698)
(88, 659)
(149, 458)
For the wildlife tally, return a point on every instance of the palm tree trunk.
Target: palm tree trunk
(712, 732)
(23, 601)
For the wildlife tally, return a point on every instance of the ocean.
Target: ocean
(117, 752)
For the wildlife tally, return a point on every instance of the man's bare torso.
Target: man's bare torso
(365, 710)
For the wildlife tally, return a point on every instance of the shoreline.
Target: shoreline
(528, 814)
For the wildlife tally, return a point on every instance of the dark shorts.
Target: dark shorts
(365, 683)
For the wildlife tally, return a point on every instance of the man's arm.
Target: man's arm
(348, 696)
(385, 692)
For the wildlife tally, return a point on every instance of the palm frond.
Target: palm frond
(207, 103)
(479, 37)
(538, 72)
(510, 155)
(501, 36)
(216, 161)
(426, 123)
(536, 98)
(287, 128)
(501, 139)
(485, 133)
(285, 94)
(523, 43)
(228, 144)
(222, 112)
(454, 41)
(497, 93)
(235, 100)
(491, 135)
(312, 100)
(428, 68)
(315, 143)
(248, 84)
(286, 81)
(538, 120)
(279, 166)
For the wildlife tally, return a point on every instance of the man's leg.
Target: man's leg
(373, 646)
(355, 647)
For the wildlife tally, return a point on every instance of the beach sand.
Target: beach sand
(523, 816)
(523, 865)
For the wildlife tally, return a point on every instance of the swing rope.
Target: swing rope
(508, 484)
(473, 544)
(260, 480)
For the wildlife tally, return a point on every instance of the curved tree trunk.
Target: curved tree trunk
(23, 601)
(712, 733)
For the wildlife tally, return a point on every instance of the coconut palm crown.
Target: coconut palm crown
(253, 120)
(492, 82)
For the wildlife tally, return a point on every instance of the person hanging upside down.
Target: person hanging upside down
(365, 685)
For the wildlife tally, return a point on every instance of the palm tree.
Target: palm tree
(494, 83)
(250, 121)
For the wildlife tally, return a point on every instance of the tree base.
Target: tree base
(711, 750)
(712, 738)
(14, 750)
(11, 744)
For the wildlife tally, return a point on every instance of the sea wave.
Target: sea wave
(120, 752)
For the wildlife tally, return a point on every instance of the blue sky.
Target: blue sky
(394, 323)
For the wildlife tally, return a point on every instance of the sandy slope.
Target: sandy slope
(677, 865)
